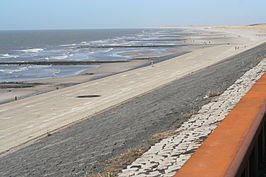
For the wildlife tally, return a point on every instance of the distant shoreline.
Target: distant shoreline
(202, 39)
(38, 83)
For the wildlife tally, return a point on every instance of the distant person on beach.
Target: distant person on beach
(152, 62)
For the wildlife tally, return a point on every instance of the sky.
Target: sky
(87, 14)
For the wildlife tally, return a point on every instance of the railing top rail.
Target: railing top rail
(223, 151)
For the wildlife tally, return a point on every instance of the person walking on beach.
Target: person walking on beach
(151, 62)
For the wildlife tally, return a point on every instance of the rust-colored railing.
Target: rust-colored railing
(236, 148)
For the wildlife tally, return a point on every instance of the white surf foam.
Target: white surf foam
(84, 42)
(10, 71)
(68, 45)
(108, 50)
(36, 50)
(8, 56)
(60, 57)
(43, 58)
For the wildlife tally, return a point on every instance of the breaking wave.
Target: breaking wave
(8, 56)
(36, 50)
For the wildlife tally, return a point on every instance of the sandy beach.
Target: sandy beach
(28, 119)
(199, 38)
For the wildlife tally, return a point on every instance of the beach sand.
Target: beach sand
(255, 27)
(201, 38)
(9, 91)
(28, 119)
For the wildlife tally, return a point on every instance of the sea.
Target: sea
(75, 46)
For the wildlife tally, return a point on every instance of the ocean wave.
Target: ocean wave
(60, 57)
(84, 42)
(108, 50)
(68, 45)
(8, 56)
(104, 41)
(45, 58)
(91, 52)
(10, 71)
(35, 50)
